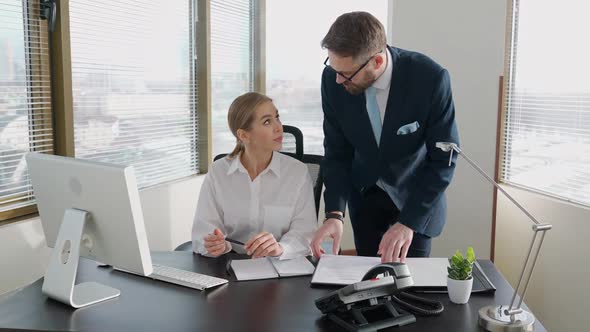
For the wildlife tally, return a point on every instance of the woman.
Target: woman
(255, 195)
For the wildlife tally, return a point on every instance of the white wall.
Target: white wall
(558, 293)
(168, 213)
(467, 38)
(23, 254)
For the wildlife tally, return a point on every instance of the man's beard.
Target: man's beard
(357, 89)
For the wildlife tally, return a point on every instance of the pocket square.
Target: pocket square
(408, 128)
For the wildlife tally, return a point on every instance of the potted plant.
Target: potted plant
(460, 280)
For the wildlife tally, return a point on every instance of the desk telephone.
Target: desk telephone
(378, 301)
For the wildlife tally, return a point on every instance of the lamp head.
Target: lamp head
(447, 146)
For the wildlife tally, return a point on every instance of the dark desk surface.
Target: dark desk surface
(266, 305)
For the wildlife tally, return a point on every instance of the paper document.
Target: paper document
(346, 270)
(252, 269)
(267, 267)
(342, 270)
(293, 267)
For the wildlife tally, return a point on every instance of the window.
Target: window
(294, 30)
(547, 99)
(134, 86)
(232, 63)
(25, 101)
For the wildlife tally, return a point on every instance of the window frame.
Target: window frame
(511, 39)
(39, 65)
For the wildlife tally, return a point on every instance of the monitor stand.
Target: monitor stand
(63, 266)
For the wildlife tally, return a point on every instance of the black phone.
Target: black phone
(386, 282)
(380, 281)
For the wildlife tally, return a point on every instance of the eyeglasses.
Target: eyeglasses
(349, 78)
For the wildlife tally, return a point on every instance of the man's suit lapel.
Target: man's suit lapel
(395, 102)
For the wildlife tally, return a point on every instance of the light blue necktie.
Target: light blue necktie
(374, 114)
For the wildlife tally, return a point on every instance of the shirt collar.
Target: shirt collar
(274, 166)
(384, 81)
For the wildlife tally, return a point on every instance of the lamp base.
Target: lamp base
(494, 319)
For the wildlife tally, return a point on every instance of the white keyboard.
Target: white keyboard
(185, 278)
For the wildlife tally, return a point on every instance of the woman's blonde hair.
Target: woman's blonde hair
(241, 114)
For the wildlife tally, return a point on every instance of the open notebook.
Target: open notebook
(267, 267)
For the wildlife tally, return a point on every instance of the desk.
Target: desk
(265, 305)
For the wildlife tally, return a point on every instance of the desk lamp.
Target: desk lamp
(507, 318)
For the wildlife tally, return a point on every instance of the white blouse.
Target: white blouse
(279, 201)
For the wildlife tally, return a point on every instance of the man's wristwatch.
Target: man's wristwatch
(334, 216)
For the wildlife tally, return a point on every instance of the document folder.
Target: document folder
(429, 274)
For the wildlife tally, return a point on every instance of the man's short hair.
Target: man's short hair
(355, 34)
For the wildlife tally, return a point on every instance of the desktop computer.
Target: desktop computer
(92, 209)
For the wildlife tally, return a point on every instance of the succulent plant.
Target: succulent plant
(461, 267)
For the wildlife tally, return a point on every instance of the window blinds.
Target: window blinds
(232, 63)
(547, 100)
(25, 99)
(134, 85)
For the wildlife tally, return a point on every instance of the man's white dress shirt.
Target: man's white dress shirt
(382, 85)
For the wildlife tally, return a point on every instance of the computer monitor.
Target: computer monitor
(87, 209)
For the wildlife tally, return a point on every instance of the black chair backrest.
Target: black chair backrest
(314, 163)
(292, 141)
(222, 155)
(219, 156)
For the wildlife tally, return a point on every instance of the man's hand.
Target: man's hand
(332, 228)
(215, 243)
(395, 243)
(262, 245)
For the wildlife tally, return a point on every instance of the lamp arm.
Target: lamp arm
(458, 150)
(538, 227)
(518, 309)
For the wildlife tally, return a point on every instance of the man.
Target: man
(384, 110)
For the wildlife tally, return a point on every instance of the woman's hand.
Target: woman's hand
(215, 243)
(262, 245)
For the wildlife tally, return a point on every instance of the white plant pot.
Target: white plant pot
(459, 290)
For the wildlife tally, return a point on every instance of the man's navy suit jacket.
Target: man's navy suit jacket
(415, 172)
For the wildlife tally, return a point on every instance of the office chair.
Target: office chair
(292, 142)
(314, 165)
(294, 137)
